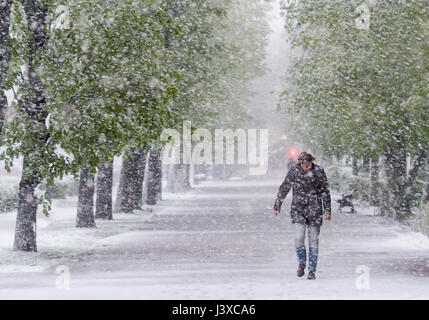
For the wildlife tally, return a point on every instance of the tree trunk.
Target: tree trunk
(154, 178)
(139, 178)
(36, 12)
(117, 207)
(25, 230)
(355, 169)
(375, 184)
(426, 194)
(159, 177)
(366, 165)
(85, 207)
(396, 171)
(172, 172)
(419, 170)
(131, 180)
(5, 55)
(103, 205)
(123, 199)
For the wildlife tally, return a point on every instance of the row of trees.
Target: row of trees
(358, 86)
(94, 79)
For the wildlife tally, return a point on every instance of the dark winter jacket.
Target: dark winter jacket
(311, 197)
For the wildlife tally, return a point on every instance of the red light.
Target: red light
(292, 153)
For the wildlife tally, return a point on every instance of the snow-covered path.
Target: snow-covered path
(221, 241)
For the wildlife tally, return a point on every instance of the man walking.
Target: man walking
(311, 203)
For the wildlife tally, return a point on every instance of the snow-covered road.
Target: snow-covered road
(219, 241)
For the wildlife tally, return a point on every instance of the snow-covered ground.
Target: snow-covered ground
(218, 241)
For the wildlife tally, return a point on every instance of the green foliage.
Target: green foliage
(114, 74)
(219, 48)
(361, 92)
(363, 88)
(107, 85)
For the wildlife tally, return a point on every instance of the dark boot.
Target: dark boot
(311, 275)
(300, 272)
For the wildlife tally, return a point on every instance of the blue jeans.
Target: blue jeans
(313, 241)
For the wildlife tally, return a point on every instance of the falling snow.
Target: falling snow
(87, 194)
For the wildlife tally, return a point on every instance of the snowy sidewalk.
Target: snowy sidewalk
(220, 241)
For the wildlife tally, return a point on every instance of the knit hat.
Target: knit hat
(305, 157)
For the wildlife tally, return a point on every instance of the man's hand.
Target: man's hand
(276, 212)
(327, 216)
